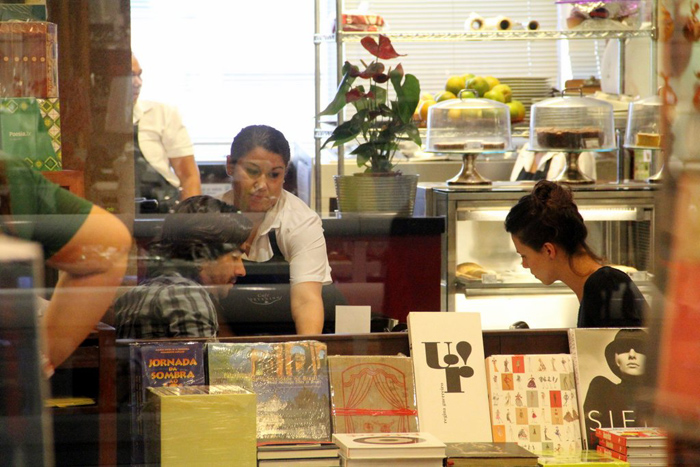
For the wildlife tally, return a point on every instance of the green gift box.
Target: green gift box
(192, 426)
(31, 130)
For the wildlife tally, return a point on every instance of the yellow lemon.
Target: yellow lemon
(454, 114)
(424, 109)
(492, 81)
(445, 95)
(455, 84)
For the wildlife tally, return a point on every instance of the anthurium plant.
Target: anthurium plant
(379, 124)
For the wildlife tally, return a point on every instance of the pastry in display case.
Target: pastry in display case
(572, 124)
(469, 126)
(644, 128)
(644, 124)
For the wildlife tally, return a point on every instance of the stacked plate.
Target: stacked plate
(529, 90)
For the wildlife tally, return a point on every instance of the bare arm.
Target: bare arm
(187, 171)
(92, 265)
(307, 307)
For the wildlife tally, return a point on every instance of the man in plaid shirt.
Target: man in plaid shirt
(193, 265)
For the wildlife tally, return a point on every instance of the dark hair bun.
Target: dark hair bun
(552, 195)
(548, 214)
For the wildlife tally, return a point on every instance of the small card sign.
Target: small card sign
(352, 319)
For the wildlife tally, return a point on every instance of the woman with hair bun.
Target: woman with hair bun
(549, 235)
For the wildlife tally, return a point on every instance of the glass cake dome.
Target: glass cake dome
(644, 124)
(572, 124)
(468, 125)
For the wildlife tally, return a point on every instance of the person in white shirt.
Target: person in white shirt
(283, 225)
(165, 168)
(532, 165)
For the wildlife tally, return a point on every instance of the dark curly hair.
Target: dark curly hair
(262, 136)
(549, 215)
(202, 228)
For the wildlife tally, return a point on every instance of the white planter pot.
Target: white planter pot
(391, 194)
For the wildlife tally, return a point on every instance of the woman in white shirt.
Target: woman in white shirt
(283, 225)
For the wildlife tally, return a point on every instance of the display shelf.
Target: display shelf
(339, 38)
(620, 218)
(461, 36)
(518, 130)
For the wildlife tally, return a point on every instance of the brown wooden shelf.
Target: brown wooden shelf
(71, 180)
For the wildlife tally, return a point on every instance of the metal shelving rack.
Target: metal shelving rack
(339, 38)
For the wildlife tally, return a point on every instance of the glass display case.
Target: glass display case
(481, 272)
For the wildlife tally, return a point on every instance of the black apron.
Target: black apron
(154, 194)
(538, 175)
(260, 302)
(273, 271)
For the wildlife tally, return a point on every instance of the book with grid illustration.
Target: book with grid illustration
(290, 380)
(372, 394)
(533, 402)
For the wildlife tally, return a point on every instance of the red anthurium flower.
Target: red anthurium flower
(381, 78)
(353, 70)
(383, 49)
(374, 69)
(354, 95)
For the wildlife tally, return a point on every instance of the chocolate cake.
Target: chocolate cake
(448, 146)
(570, 138)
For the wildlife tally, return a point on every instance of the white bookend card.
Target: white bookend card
(352, 319)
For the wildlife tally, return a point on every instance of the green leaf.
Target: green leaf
(413, 133)
(364, 152)
(380, 94)
(349, 73)
(396, 75)
(409, 97)
(345, 132)
(377, 153)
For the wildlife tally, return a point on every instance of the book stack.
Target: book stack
(485, 454)
(389, 449)
(298, 454)
(638, 446)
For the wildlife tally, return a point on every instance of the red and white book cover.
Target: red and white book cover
(629, 437)
(633, 458)
(647, 450)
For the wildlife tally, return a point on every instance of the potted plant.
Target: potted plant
(380, 122)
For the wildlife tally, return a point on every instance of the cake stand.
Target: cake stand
(468, 175)
(571, 173)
